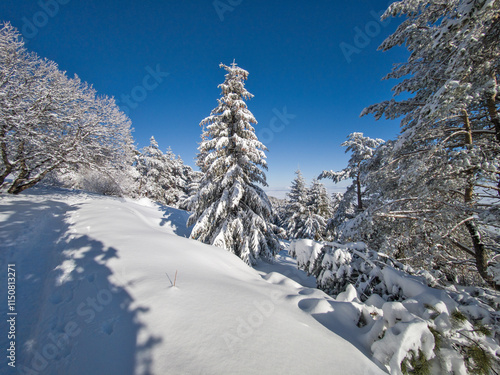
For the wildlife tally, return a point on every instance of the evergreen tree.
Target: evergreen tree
(362, 149)
(298, 190)
(191, 180)
(279, 212)
(164, 178)
(318, 199)
(296, 208)
(230, 210)
(176, 184)
(150, 164)
(319, 205)
(307, 209)
(447, 155)
(335, 200)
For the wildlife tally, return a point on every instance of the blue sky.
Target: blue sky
(313, 67)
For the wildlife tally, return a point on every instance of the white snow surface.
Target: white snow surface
(95, 295)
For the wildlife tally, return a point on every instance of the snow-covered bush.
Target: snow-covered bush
(99, 183)
(410, 320)
(121, 182)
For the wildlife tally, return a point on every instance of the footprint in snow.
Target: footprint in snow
(306, 292)
(108, 326)
(56, 298)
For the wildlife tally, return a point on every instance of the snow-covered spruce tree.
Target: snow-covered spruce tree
(362, 149)
(193, 186)
(296, 211)
(230, 210)
(279, 211)
(450, 125)
(390, 222)
(335, 200)
(189, 184)
(318, 200)
(319, 208)
(307, 210)
(163, 177)
(175, 184)
(353, 201)
(151, 165)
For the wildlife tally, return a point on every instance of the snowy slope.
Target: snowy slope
(95, 296)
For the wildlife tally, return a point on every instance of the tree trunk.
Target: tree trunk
(6, 172)
(480, 252)
(494, 118)
(358, 191)
(5, 158)
(21, 177)
(19, 186)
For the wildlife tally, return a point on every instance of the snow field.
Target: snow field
(96, 296)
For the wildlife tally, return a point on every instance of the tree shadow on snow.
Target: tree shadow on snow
(176, 219)
(74, 315)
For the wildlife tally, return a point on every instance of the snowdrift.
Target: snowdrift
(113, 286)
(407, 325)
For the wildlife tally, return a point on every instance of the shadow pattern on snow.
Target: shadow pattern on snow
(73, 314)
(177, 220)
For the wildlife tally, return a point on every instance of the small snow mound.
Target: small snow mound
(349, 295)
(401, 339)
(315, 306)
(375, 300)
(278, 278)
(395, 311)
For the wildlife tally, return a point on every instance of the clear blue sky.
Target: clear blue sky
(292, 50)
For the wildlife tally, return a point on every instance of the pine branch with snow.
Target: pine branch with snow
(409, 320)
(444, 165)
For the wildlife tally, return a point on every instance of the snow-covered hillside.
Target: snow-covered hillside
(95, 295)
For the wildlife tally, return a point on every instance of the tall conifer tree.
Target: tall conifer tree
(230, 210)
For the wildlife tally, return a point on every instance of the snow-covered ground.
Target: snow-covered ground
(95, 295)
